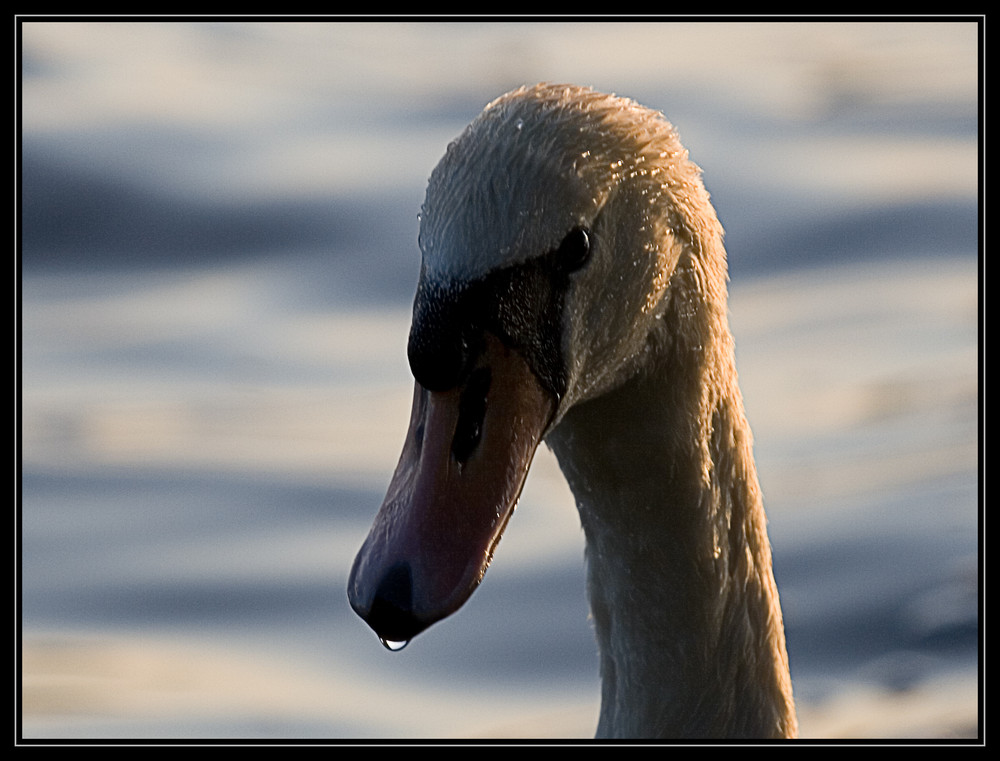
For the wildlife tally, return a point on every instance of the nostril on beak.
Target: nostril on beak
(471, 414)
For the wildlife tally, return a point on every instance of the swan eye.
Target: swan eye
(574, 250)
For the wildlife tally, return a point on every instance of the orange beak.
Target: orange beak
(464, 462)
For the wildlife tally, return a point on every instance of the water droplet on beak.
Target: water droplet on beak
(394, 645)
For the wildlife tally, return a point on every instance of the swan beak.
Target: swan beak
(463, 465)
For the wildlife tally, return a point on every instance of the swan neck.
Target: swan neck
(682, 594)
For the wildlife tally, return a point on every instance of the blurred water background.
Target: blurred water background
(219, 254)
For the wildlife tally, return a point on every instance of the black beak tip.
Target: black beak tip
(390, 613)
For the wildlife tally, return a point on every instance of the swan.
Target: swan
(573, 290)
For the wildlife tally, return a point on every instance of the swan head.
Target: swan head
(549, 235)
